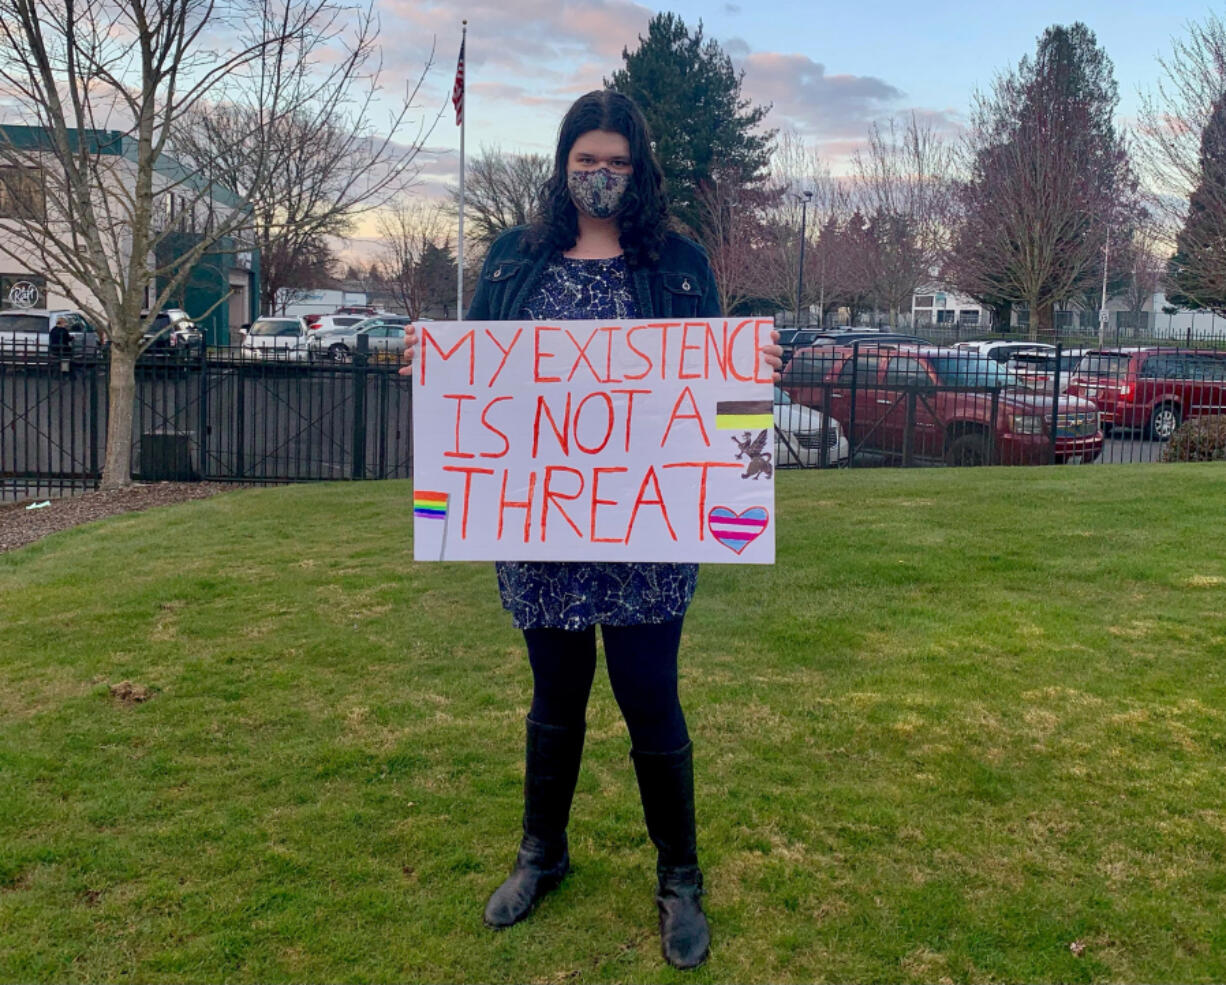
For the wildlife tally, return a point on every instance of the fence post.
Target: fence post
(103, 359)
(908, 434)
(851, 416)
(1055, 403)
(359, 405)
(240, 407)
(203, 422)
(995, 425)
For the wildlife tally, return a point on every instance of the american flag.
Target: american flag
(457, 91)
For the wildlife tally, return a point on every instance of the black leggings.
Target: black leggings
(642, 663)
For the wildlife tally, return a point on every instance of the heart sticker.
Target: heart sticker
(737, 530)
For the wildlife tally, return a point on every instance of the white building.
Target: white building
(220, 294)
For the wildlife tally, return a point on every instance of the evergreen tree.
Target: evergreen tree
(704, 131)
(1198, 268)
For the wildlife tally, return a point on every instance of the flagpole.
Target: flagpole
(459, 299)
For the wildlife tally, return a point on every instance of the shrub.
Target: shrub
(1201, 439)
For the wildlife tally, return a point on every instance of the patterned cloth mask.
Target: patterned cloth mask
(597, 193)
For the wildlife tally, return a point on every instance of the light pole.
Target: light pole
(800, 279)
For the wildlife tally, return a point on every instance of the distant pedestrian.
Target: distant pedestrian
(59, 342)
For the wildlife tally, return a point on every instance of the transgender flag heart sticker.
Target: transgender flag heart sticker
(737, 530)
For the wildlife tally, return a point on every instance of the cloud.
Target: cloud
(821, 105)
(736, 47)
(732, 8)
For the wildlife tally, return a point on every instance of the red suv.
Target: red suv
(1152, 389)
(939, 402)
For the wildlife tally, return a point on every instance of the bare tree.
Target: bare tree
(411, 231)
(1176, 114)
(1047, 176)
(802, 193)
(108, 89)
(302, 267)
(335, 169)
(1144, 261)
(501, 191)
(903, 190)
(733, 236)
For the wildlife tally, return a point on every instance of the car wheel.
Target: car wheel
(338, 353)
(967, 449)
(1163, 422)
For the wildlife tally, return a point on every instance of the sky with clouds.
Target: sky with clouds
(828, 70)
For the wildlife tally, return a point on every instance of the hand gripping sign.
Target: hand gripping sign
(594, 441)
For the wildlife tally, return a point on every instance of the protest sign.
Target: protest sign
(594, 441)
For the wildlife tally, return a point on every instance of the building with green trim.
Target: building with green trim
(221, 292)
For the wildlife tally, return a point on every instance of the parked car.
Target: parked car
(799, 436)
(1036, 369)
(806, 338)
(1002, 350)
(326, 323)
(1150, 388)
(384, 332)
(27, 332)
(282, 338)
(940, 402)
(171, 328)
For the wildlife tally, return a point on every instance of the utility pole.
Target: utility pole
(800, 280)
(1102, 308)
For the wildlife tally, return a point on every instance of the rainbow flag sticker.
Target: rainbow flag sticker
(431, 504)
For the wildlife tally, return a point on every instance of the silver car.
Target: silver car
(385, 333)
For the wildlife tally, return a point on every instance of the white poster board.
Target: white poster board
(594, 441)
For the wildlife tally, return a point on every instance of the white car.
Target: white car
(799, 434)
(1000, 350)
(329, 323)
(1036, 369)
(277, 337)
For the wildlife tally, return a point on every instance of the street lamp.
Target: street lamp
(800, 280)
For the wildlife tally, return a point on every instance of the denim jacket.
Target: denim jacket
(680, 285)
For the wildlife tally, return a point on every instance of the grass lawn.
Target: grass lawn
(971, 718)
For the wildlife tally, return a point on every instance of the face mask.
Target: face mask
(597, 193)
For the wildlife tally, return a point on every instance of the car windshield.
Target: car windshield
(275, 326)
(22, 323)
(1033, 360)
(963, 370)
(1103, 364)
(781, 396)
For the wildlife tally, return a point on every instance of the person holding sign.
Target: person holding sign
(601, 248)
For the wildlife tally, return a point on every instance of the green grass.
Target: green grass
(969, 718)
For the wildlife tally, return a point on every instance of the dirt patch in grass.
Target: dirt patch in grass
(127, 693)
(20, 525)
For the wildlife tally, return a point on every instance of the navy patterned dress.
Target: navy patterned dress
(575, 595)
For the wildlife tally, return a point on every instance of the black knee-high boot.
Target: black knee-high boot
(551, 768)
(666, 784)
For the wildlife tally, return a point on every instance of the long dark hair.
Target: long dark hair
(643, 219)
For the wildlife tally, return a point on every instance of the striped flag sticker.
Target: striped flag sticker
(430, 504)
(737, 531)
(743, 415)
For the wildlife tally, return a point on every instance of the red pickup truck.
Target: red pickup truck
(941, 403)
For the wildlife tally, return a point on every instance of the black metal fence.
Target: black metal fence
(225, 415)
(1015, 402)
(218, 414)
